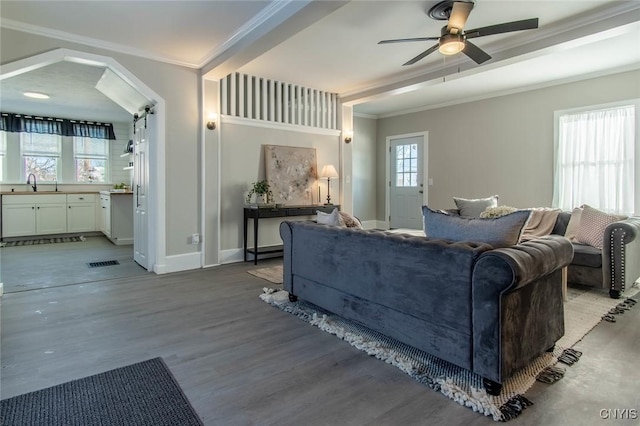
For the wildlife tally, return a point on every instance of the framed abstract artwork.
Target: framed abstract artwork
(292, 173)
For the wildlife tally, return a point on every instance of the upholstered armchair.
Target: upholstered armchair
(616, 267)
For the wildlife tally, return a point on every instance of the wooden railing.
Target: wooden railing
(259, 98)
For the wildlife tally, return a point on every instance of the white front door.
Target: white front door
(140, 191)
(406, 186)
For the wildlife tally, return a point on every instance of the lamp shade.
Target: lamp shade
(329, 172)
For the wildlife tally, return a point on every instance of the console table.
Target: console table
(257, 213)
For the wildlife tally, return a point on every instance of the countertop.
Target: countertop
(116, 192)
(46, 192)
(62, 192)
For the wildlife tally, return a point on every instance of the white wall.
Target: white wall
(242, 154)
(210, 176)
(502, 145)
(116, 150)
(364, 168)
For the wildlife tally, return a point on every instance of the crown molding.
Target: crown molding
(245, 30)
(363, 115)
(608, 19)
(229, 119)
(88, 41)
(506, 92)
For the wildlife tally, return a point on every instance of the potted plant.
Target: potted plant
(262, 189)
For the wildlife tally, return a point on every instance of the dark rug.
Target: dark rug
(41, 241)
(142, 394)
(583, 311)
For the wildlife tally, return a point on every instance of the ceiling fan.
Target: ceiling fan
(453, 39)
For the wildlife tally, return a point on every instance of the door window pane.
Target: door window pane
(407, 165)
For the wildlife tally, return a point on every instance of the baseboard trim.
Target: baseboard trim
(370, 224)
(382, 224)
(180, 262)
(231, 256)
(237, 255)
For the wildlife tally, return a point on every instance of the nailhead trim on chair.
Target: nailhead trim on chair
(622, 257)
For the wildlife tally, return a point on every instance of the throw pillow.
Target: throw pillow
(474, 207)
(490, 212)
(503, 231)
(593, 222)
(350, 221)
(332, 218)
(574, 224)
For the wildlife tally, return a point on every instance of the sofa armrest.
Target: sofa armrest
(532, 267)
(532, 259)
(287, 234)
(621, 255)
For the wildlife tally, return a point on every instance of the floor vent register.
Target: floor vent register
(103, 263)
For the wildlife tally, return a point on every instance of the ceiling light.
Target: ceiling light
(450, 44)
(36, 95)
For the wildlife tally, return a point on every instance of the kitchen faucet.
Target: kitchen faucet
(35, 185)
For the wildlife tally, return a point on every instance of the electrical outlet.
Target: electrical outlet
(195, 239)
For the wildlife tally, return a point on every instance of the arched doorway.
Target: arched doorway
(156, 234)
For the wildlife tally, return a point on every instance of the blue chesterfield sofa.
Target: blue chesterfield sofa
(491, 311)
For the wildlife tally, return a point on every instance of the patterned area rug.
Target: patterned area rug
(272, 274)
(41, 241)
(583, 311)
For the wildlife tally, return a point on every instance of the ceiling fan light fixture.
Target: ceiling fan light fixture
(450, 44)
(36, 95)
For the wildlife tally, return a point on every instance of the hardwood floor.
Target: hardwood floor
(49, 265)
(243, 362)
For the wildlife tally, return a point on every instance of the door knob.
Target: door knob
(421, 191)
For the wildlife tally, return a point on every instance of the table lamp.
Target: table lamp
(329, 172)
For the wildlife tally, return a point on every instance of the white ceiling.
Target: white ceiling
(328, 45)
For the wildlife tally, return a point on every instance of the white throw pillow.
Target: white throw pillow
(332, 218)
(574, 224)
(474, 207)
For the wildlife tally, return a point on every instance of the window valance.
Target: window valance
(24, 123)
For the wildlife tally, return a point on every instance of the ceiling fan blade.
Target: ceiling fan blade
(422, 55)
(474, 52)
(526, 24)
(402, 40)
(459, 15)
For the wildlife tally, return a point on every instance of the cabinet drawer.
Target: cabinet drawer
(270, 213)
(302, 211)
(34, 199)
(81, 198)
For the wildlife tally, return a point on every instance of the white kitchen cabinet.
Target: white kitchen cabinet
(18, 219)
(51, 218)
(81, 212)
(105, 207)
(117, 216)
(24, 215)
